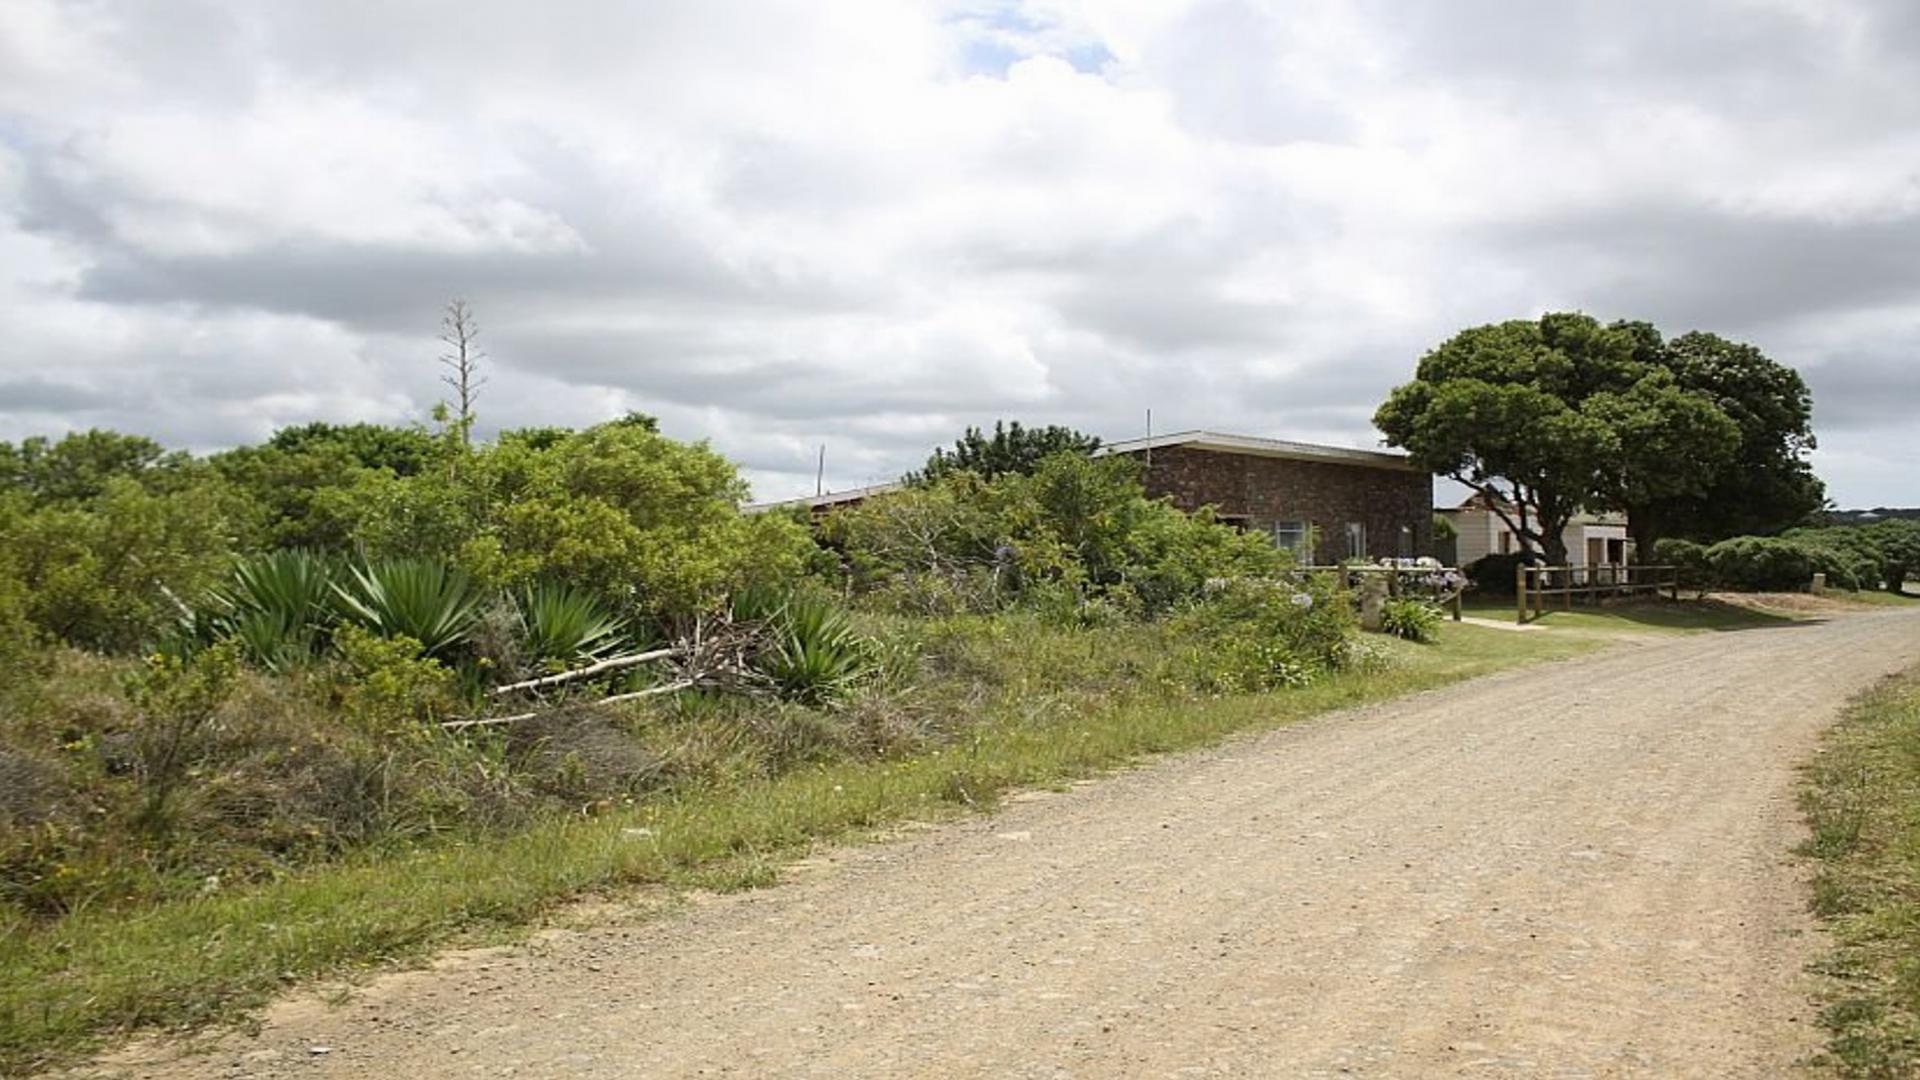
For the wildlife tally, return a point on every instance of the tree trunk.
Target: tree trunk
(1642, 530)
(1555, 545)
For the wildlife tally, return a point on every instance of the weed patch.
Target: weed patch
(1862, 802)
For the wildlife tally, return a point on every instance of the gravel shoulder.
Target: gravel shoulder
(1578, 869)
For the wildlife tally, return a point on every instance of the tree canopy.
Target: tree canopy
(1011, 448)
(1549, 417)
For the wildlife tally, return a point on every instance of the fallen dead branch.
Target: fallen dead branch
(489, 721)
(615, 664)
(715, 652)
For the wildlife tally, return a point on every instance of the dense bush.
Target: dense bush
(1077, 537)
(105, 538)
(309, 612)
(1494, 574)
(1760, 564)
(1688, 559)
(1881, 555)
(1250, 635)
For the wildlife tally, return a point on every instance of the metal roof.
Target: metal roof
(1257, 446)
(831, 498)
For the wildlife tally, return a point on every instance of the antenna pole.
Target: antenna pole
(1149, 440)
(820, 473)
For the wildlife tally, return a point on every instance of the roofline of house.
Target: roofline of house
(1584, 517)
(831, 498)
(1193, 440)
(1262, 447)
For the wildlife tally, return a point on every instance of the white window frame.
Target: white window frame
(1294, 536)
(1356, 539)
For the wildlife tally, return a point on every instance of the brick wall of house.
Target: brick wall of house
(1267, 491)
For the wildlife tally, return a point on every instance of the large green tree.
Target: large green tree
(1767, 484)
(1549, 417)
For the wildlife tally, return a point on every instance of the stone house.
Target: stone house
(1327, 503)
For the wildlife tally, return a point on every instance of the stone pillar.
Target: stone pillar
(1373, 600)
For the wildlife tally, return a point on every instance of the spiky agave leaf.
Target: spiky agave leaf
(428, 601)
(277, 605)
(566, 625)
(817, 655)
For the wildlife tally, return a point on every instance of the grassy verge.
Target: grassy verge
(1862, 800)
(1881, 598)
(66, 985)
(1643, 616)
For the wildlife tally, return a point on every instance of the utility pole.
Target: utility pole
(820, 473)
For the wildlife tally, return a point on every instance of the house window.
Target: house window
(1294, 536)
(1356, 540)
(1506, 542)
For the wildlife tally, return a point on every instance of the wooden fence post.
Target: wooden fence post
(1520, 591)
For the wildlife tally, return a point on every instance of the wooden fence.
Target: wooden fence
(1536, 587)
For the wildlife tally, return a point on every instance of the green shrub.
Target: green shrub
(389, 686)
(816, 655)
(110, 573)
(1415, 620)
(1077, 538)
(177, 699)
(422, 599)
(1494, 575)
(1257, 635)
(1689, 560)
(1760, 564)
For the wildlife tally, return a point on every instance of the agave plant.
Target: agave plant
(564, 625)
(277, 605)
(428, 601)
(816, 655)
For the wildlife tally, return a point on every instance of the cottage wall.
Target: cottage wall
(1264, 492)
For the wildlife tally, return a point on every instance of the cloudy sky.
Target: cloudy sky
(869, 223)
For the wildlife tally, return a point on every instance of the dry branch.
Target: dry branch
(490, 721)
(614, 664)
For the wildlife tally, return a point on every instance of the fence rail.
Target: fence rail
(1536, 586)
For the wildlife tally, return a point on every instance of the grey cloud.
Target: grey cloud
(35, 395)
(1695, 267)
(1854, 389)
(699, 292)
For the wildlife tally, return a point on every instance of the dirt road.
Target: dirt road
(1581, 869)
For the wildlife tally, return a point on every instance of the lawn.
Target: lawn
(66, 986)
(1657, 616)
(1862, 800)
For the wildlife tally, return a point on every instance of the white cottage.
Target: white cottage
(1591, 539)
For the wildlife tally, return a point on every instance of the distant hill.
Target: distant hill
(1868, 517)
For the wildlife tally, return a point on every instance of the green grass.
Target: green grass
(1862, 800)
(67, 985)
(1881, 598)
(1657, 616)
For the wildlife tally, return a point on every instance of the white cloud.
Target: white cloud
(868, 224)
